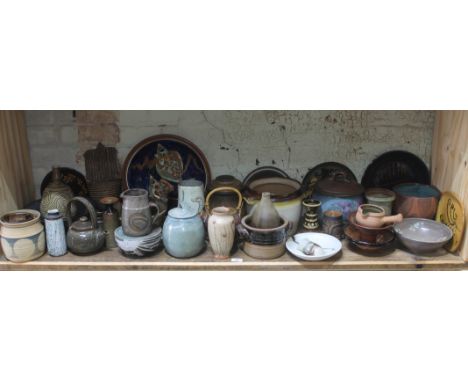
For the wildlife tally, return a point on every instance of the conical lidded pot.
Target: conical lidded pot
(56, 195)
(265, 214)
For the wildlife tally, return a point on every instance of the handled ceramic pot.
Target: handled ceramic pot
(84, 236)
(222, 223)
(373, 216)
(137, 219)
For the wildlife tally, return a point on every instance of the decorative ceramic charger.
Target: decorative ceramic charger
(264, 172)
(326, 170)
(162, 160)
(451, 212)
(394, 168)
(70, 177)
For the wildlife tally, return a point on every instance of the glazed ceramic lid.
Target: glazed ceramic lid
(82, 225)
(182, 213)
(339, 187)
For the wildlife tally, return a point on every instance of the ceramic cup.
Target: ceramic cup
(333, 223)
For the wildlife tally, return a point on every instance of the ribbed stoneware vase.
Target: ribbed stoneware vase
(56, 195)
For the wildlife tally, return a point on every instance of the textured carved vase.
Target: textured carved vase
(56, 195)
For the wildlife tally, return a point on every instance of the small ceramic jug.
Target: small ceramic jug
(373, 216)
(222, 223)
(137, 219)
(183, 233)
(264, 214)
(191, 195)
(55, 233)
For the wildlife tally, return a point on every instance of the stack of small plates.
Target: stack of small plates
(138, 246)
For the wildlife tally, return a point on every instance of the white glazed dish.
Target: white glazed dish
(330, 246)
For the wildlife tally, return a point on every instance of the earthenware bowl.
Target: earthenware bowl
(264, 252)
(263, 236)
(415, 200)
(422, 235)
(140, 246)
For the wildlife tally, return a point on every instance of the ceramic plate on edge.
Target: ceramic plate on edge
(451, 212)
(322, 239)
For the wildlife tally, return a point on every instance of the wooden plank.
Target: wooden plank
(348, 259)
(450, 160)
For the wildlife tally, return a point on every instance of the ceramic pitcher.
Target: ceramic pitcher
(191, 195)
(137, 219)
(222, 223)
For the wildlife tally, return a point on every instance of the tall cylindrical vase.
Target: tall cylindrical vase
(55, 233)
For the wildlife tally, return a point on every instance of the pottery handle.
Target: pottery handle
(89, 207)
(392, 219)
(156, 215)
(232, 189)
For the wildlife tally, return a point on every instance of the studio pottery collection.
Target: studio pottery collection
(163, 200)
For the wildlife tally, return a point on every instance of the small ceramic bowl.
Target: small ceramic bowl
(422, 235)
(138, 246)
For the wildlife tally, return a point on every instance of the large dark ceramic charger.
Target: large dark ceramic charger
(326, 170)
(393, 168)
(166, 158)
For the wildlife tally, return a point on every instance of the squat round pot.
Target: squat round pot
(23, 237)
(183, 233)
(414, 200)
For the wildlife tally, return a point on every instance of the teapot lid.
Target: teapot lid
(82, 225)
(182, 213)
(339, 186)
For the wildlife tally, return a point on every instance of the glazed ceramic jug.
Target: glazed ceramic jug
(191, 195)
(55, 233)
(22, 235)
(222, 223)
(183, 233)
(56, 195)
(265, 214)
(137, 219)
(84, 236)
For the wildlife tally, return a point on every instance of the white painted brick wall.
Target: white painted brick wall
(235, 141)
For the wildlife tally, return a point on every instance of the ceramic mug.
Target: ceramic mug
(137, 219)
(333, 223)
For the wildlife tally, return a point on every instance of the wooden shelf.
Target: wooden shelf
(348, 259)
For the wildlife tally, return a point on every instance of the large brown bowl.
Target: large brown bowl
(414, 200)
(367, 234)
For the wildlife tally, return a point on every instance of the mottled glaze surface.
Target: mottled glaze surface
(55, 235)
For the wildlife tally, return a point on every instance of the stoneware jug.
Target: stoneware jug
(84, 236)
(222, 223)
(183, 233)
(191, 194)
(137, 219)
(55, 233)
(373, 216)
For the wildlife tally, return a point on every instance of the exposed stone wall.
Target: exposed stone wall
(235, 142)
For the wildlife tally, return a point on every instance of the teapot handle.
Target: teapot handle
(89, 207)
(212, 192)
(156, 215)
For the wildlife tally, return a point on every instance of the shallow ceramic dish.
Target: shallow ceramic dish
(323, 171)
(383, 241)
(264, 172)
(422, 235)
(165, 158)
(141, 246)
(330, 244)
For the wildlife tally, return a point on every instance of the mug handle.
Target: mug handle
(156, 215)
